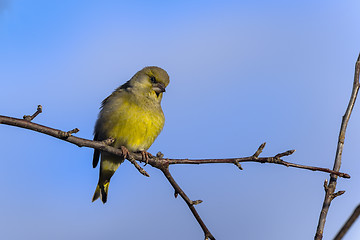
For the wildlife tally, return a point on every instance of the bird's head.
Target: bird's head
(150, 81)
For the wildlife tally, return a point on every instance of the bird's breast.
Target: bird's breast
(134, 126)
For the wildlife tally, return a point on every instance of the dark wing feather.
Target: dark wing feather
(96, 154)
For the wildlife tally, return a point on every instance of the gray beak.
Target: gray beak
(159, 87)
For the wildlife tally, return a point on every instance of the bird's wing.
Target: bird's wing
(123, 87)
(96, 153)
(120, 89)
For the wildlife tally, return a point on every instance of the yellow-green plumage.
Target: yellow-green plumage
(133, 117)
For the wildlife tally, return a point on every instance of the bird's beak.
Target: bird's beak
(159, 88)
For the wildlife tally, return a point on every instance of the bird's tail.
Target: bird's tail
(101, 191)
(108, 165)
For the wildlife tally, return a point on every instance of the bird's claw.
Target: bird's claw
(145, 156)
(125, 151)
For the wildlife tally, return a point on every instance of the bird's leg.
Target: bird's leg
(125, 151)
(145, 156)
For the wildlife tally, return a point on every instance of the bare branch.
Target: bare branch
(160, 162)
(284, 154)
(329, 194)
(30, 118)
(165, 169)
(104, 146)
(338, 193)
(238, 165)
(348, 223)
(137, 166)
(259, 151)
(326, 185)
(274, 160)
(67, 134)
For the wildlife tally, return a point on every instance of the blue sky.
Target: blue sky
(241, 72)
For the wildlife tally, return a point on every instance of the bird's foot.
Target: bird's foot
(145, 156)
(125, 151)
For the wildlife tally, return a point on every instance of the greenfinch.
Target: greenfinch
(133, 118)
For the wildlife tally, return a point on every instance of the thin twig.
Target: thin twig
(329, 194)
(259, 151)
(348, 223)
(258, 160)
(30, 118)
(338, 193)
(190, 203)
(137, 166)
(67, 134)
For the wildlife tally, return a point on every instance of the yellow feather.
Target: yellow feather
(133, 117)
(134, 126)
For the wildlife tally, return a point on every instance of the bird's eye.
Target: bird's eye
(153, 79)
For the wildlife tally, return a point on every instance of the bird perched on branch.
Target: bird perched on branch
(133, 118)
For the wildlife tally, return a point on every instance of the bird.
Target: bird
(132, 118)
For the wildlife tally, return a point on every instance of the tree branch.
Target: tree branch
(348, 223)
(190, 203)
(276, 160)
(330, 189)
(30, 118)
(158, 161)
